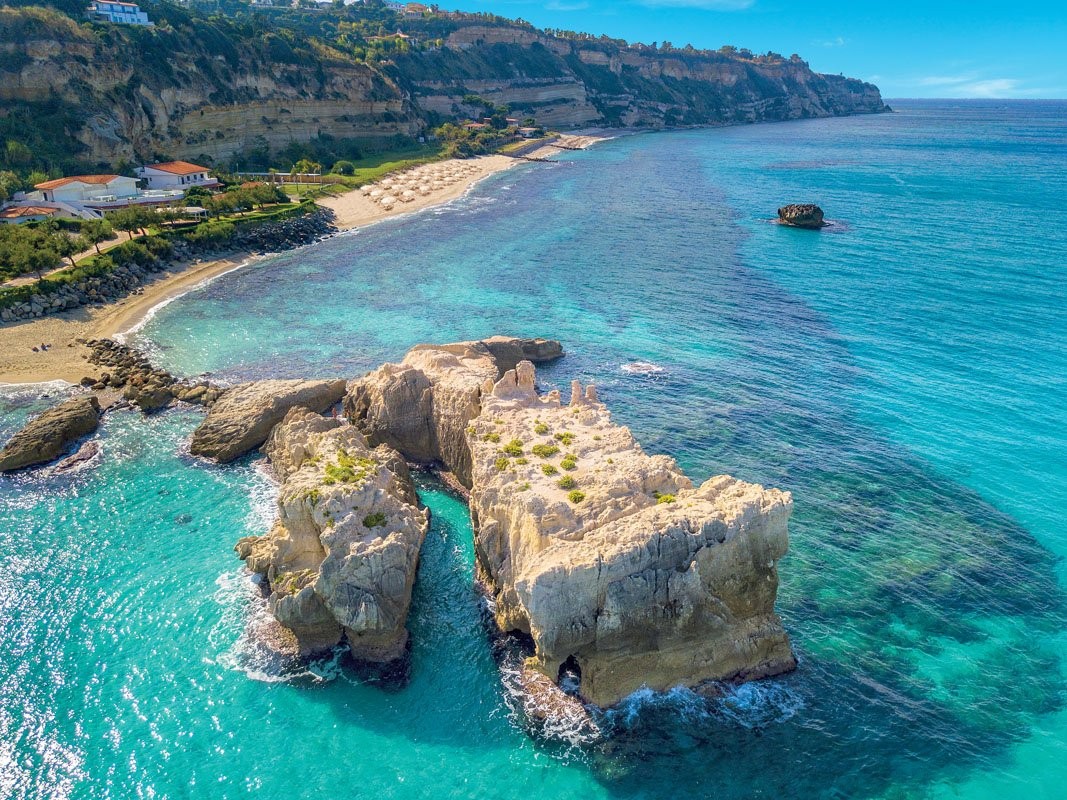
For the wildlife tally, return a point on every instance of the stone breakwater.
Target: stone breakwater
(129, 278)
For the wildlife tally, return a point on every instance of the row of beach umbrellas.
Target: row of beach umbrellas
(404, 187)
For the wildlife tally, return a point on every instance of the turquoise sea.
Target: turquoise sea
(903, 372)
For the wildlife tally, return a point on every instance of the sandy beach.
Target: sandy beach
(355, 209)
(65, 358)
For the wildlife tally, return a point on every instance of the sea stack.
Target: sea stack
(340, 561)
(802, 215)
(615, 565)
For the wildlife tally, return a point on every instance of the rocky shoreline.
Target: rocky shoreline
(617, 569)
(267, 237)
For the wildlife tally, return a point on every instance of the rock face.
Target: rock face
(242, 418)
(341, 559)
(802, 215)
(615, 565)
(47, 436)
(610, 559)
(421, 406)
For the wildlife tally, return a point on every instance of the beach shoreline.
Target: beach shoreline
(65, 359)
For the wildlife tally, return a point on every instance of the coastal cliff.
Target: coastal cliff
(100, 94)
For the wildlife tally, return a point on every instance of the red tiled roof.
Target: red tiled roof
(27, 211)
(100, 180)
(177, 167)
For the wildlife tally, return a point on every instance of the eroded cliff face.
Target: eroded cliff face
(608, 558)
(342, 556)
(137, 94)
(190, 90)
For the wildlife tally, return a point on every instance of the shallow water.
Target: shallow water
(902, 372)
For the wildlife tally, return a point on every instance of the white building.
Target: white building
(89, 190)
(15, 215)
(176, 175)
(122, 13)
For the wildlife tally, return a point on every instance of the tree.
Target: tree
(95, 231)
(344, 168)
(305, 166)
(68, 246)
(131, 219)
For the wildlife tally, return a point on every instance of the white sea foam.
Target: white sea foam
(642, 368)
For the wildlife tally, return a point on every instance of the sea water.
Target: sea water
(903, 372)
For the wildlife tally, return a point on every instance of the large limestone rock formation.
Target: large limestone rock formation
(422, 405)
(242, 418)
(341, 559)
(47, 436)
(610, 559)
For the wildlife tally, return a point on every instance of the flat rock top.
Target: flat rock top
(243, 416)
(46, 436)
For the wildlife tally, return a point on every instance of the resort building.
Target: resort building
(176, 175)
(14, 215)
(82, 190)
(120, 13)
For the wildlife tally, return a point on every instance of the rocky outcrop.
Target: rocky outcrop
(610, 559)
(801, 215)
(422, 406)
(242, 418)
(47, 436)
(145, 386)
(617, 567)
(341, 559)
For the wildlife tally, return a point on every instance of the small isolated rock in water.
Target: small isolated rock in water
(47, 436)
(243, 416)
(801, 215)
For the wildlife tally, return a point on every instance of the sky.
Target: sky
(937, 48)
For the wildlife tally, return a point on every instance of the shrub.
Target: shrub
(522, 461)
(375, 520)
(545, 450)
(541, 428)
(569, 463)
(491, 437)
(513, 448)
(576, 496)
(343, 168)
(565, 437)
(502, 463)
(211, 233)
(665, 498)
(525, 487)
(548, 469)
(566, 482)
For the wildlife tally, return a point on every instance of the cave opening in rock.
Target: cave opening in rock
(569, 677)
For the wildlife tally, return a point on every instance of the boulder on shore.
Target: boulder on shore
(342, 556)
(242, 417)
(802, 215)
(47, 436)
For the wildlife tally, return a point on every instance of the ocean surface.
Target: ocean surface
(903, 373)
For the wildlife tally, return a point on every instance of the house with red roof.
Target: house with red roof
(176, 175)
(84, 190)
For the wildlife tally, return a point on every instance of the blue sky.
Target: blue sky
(938, 48)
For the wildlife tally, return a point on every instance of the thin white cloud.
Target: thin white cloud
(836, 42)
(556, 5)
(994, 87)
(707, 5)
(946, 80)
